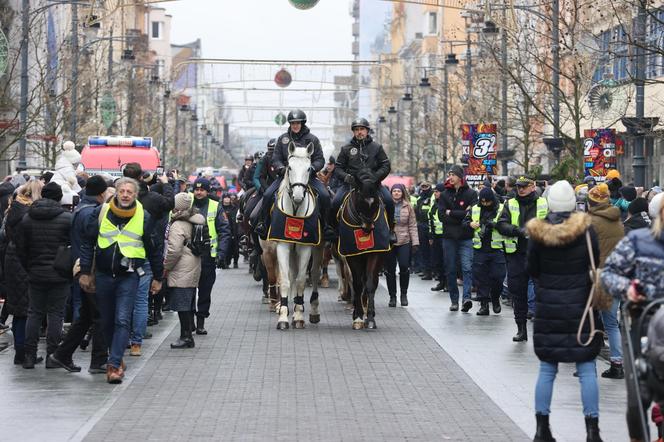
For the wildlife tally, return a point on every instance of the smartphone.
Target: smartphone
(160, 171)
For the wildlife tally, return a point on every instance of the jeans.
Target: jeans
(139, 320)
(205, 284)
(517, 283)
(463, 248)
(49, 301)
(115, 299)
(425, 249)
(489, 273)
(610, 320)
(88, 320)
(401, 255)
(587, 379)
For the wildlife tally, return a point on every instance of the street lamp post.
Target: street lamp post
(74, 72)
(23, 114)
(164, 148)
(408, 98)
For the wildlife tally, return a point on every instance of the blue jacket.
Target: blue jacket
(83, 224)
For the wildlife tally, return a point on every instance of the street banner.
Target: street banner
(599, 152)
(478, 142)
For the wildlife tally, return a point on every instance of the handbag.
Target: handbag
(62, 263)
(597, 299)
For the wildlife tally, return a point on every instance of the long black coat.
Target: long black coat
(358, 155)
(559, 261)
(16, 278)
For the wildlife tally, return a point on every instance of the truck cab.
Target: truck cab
(109, 154)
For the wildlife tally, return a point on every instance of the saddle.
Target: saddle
(294, 229)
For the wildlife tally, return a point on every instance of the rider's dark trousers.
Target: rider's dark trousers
(205, 284)
(318, 186)
(384, 194)
(517, 284)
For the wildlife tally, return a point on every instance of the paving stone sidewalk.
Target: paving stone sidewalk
(248, 381)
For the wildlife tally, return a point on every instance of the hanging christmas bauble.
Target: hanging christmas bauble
(283, 78)
(304, 4)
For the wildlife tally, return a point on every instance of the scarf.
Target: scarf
(120, 212)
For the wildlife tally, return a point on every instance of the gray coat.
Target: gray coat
(183, 267)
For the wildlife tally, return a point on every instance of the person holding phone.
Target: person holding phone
(633, 271)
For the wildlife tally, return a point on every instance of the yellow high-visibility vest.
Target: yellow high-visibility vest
(497, 239)
(513, 205)
(129, 239)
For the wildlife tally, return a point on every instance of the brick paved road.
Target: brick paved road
(248, 381)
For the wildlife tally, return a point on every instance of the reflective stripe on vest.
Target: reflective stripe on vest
(437, 223)
(497, 239)
(211, 217)
(129, 239)
(513, 205)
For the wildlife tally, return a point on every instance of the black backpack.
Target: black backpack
(200, 239)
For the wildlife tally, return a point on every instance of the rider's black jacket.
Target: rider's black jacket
(246, 176)
(265, 173)
(301, 139)
(365, 154)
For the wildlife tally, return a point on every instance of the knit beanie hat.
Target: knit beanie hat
(458, 171)
(486, 194)
(628, 192)
(52, 191)
(655, 206)
(561, 197)
(440, 187)
(95, 186)
(599, 193)
(183, 201)
(637, 206)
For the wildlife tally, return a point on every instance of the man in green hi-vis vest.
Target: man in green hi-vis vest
(516, 213)
(220, 239)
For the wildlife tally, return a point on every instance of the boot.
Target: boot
(200, 326)
(521, 333)
(29, 361)
(614, 372)
(439, 287)
(543, 432)
(484, 309)
(404, 299)
(427, 276)
(19, 355)
(186, 340)
(495, 304)
(592, 429)
(393, 300)
(113, 375)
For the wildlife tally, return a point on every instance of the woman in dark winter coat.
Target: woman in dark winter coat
(638, 259)
(559, 261)
(16, 276)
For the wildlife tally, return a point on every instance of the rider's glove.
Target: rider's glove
(281, 170)
(349, 179)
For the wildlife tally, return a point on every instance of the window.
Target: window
(655, 44)
(156, 30)
(614, 50)
(432, 23)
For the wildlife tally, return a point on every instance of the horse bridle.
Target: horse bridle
(292, 186)
(356, 216)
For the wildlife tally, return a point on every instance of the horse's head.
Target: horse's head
(299, 170)
(367, 203)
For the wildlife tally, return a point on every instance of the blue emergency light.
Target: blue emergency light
(112, 141)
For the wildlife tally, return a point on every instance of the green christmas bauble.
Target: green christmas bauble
(304, 4)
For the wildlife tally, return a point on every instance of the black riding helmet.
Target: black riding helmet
(360, 122)
(248, 158)
(258, 155)
(297, 115)
(271, 144)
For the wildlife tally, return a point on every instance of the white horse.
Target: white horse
(295, 199)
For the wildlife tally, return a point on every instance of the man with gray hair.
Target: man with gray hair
(121, 235)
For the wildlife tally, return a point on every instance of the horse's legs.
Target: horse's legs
(299, 260)
(373, 266)
(283, 258)
(317, 254)
(356, 264)
(269, 268)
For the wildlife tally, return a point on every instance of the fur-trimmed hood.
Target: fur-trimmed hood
(553, 233)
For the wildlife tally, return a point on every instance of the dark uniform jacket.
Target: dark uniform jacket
(246, 176)
(358, 155)
(301, 139)
(265, 174)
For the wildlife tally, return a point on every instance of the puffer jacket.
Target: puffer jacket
(302, 139)
(44, 228)
(639, 255)
(16, 278)
(358, 155)
(405, 227)
(605, 220)
(636, 221)
(559, 262)
(182, 266)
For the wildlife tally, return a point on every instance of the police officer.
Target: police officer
(363, 153)
(436, 239)
(488, 256)
(245, 175)
(517, 211)
(422, 208)
(119, 240)
(265, 174)
(301, 136)
(220, 239)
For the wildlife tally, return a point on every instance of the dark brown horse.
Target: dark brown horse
(362, 209)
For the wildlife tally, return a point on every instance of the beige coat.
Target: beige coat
(406, 226)
(183, 267)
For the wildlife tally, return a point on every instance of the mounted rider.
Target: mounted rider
(364, 155)
(246, 173)
(265, 173)
(301, 136)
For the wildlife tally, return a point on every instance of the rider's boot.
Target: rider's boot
(329, 233)
(263, 222)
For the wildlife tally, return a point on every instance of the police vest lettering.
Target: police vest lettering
(513, 205)
(437, 223)
(213, 206)
(129, 239)
(497, 239)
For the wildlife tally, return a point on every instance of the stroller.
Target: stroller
(642, 329)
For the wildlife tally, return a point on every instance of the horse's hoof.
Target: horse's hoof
(357, 325)
(370, 324)
(282, 325)
(265, 300)
(314, 319)
(298, 325)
